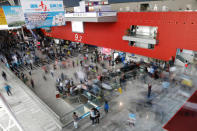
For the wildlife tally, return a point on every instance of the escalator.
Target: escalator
(83, 111)
(179, 57)
(181, 61)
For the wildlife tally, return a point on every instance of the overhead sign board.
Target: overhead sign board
(90, 14)
(30, 6)
(14, 16)
(43, 13)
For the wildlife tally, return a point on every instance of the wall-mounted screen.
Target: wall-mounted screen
(77, 27)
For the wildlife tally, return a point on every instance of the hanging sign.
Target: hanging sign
(43, 13)
(14, 16)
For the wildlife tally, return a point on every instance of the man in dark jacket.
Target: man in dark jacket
(97, 117)
(149, 90)
(4, 75)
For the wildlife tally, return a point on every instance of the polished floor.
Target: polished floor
(31, 113)
(148, 117)
(165, 102)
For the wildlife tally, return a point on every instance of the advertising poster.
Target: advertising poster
(2, 17)
(43, 13)
(14, 16)
(106, 51)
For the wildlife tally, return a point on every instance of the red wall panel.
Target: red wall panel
(175, 30)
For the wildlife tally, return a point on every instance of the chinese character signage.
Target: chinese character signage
(2, 17)
(43, 13)
(14, 16)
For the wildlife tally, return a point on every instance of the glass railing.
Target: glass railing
(67, 118)
(84, 110)
(97, 100)
(181, 58)
(93, 102)
(9, 116)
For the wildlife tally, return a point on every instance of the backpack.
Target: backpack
(97, 113)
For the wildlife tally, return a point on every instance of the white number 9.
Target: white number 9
(76, 37)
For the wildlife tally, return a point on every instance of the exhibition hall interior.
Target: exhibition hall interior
(98, 65)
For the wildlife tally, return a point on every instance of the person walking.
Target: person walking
(123, 82)
(97, 117)
(95, 60)
(77, 62)
(75, 118)
(91, 59)
(4, 75)
(86, 56)
(71, 82)
(81, 62)
(96, 68)
(44, 69)
(92, 116)
(44, 77)
(109, 60)
(52, 72)
(62, 76)
(73, 64)
(30, 73)
(7, 88)
(31, 64)
(106, 107)
(149, 90)
(87, 50)
(32, 83)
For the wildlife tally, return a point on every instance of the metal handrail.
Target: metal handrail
(31, 94)
(10, 112)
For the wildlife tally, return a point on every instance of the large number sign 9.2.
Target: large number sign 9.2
(78, 38)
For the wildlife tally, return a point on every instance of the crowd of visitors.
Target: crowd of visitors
(21, 53)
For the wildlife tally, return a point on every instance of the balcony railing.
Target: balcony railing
(140, 39)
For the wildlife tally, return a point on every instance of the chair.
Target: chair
(132, 119)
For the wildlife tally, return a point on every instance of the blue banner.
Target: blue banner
(43, 13)
(43, 20)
